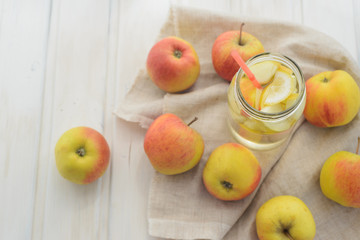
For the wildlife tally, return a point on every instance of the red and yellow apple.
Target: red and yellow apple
(245, 44)
(332, 99)
(173, 65)
(248, 90)
(340, 178)
(232, 172)
(82, 155)
(172, 146)
(285, 217)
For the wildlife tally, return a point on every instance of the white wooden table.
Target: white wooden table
(66, 63)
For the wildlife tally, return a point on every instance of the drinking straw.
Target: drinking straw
(245, 68)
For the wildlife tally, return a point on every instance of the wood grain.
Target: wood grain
(23, 44)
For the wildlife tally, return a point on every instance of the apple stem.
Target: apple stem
(358, 146)
(192, 121)
(241, 26)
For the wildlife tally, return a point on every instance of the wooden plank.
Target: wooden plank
(334, 18)
(23, 43)
(279, 10)
(282, 10)
(131, 37)
(139, 23)
(75, 94)
(356, 20)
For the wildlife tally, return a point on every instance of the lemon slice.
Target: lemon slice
(276, 108)
(262, 98)
(258, 93)
(285, 69)
(279, 89)
(280, 126)
(291, 100)
(254, 126)
(264, 71)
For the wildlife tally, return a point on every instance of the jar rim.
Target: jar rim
(253, 112)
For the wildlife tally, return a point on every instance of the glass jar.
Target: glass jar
(257, 129)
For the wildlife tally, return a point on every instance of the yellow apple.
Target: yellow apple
(245, 44)
(172, 146)
(340, 178)
(332, 99)
(285, 217)
(232, 172)
(248, 90)
(173, 65)
(82, 155)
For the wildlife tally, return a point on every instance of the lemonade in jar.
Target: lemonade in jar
(262, 118)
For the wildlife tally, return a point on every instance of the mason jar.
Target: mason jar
(255, 128)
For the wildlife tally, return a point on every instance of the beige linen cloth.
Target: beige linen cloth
(179, 206)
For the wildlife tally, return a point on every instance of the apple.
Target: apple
(173, 65)
(248, 91)
(285, 217)
(82, 155)
(232, 172)
(172, 146)
(332, 99)
(244, 43)
(340, 178)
